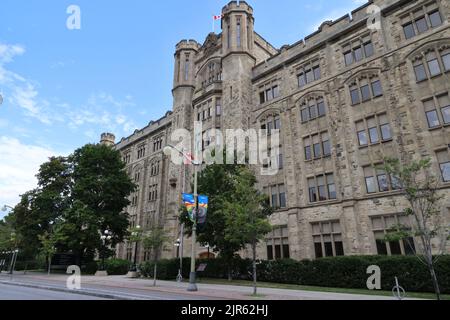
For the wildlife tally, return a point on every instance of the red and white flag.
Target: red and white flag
(217, 17)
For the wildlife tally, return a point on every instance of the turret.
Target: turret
(237, 63)
(108, 139)
(237, 27)
(184, 63)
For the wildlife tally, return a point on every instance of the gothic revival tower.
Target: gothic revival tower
(184, 82)
(237, 63)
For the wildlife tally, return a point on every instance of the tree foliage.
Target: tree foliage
(233, 203)
(426, 221)
(84, 194)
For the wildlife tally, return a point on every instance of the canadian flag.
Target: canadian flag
(217, 17)
(190, 158)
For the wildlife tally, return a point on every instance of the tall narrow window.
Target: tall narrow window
(419, 70)
(238, 32)
(282, 195)
(186, 69)
(435, 19)
(373, 130)
(433, 64)
(362, 134)
(218, 107)
(385, 128)
(431, 114)
(444, 164)
(444, 104)
(409, 30)
(446, 60)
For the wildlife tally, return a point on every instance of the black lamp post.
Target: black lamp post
(135, 234)
(106, 237)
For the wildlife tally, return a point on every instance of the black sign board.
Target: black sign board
(202, 267)
(63, 259)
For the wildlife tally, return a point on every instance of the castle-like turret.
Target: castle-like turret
(237, 63)
(108, 139)
(184, 63)
(237, 27)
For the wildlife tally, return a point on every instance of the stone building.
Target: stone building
(360, 88)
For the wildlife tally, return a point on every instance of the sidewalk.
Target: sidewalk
(142, 287)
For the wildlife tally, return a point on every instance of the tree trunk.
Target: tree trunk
(254, 268)
(428, 254)
(49, 259)
(434, 279)
(154, 273)
(155, 268)
(229, 274)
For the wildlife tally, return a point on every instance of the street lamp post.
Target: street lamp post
(192, 282)
(135, 234)
(6, 207)
(179, 256)
(106, 236)
(13, 262)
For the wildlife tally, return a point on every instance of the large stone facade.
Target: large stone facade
(344, 98)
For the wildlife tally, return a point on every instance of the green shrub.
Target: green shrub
(116, 267)
(90, 267)
(341, 272)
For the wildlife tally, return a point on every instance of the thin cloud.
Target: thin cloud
(16, 175)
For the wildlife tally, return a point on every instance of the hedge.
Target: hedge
(114, 267)
(340, 272)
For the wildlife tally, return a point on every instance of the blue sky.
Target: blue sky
(62, 88)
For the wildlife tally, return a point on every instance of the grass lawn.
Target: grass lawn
(244, 283)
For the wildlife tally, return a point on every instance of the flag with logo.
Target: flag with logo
(189, 202)
(202, 211)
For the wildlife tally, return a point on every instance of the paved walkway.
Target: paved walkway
(144, 287)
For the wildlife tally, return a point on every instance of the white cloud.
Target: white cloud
(105, 111)
(19, 91)
(19, 164)
(101, 110)
(8, 52)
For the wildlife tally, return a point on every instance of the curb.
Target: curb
(79, 292)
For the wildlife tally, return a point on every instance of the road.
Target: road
(8, 292)
(106, 290)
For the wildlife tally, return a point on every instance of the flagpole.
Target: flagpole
(214, 24)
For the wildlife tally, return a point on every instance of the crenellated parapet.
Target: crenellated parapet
(186, 44)
(237, 6)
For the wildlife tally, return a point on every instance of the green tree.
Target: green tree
(154, 241)
(421, 190)
(221, 183)
(215, 181)
(246, 216)
(86, 193)
(99, 193)
(39, 208)
(49, 241)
